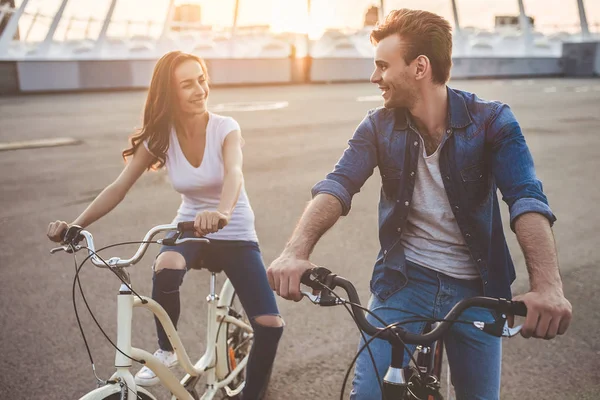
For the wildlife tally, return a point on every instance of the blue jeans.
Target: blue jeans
(242, 263)
(474, 356)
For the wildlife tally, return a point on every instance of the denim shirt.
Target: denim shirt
(483, 150)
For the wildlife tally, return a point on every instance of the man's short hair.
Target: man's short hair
(425, 33)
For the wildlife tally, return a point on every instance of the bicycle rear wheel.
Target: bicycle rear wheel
(239, 343)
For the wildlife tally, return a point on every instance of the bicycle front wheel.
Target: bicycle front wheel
(113, 392)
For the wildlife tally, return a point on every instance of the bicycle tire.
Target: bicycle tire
(117, 396)
(114, 393)
(234, 336)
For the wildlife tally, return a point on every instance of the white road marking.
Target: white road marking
(32, 144)
(582, 89)
(250, 106)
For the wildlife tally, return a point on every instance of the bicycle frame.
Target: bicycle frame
(215, 366)
(397, 380)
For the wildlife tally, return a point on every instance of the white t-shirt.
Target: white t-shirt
(432, 237)
(201, 187)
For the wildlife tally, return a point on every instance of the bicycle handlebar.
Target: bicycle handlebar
(317, 277)
(74, 234)
(188, 226)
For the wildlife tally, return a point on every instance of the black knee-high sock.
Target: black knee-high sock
(260, 362)
(165, 291)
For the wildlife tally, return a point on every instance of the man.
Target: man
(441, 153)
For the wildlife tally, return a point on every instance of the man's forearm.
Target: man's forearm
(539, 248)
(320, 215)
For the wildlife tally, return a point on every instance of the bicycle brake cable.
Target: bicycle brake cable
(76, 279)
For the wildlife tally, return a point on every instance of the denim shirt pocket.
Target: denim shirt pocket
(389, 274)
(475, 181)
(390, 182)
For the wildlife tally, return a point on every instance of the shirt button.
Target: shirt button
(397, 201)
(468, 235)
(416, 143)
(384, 252)
(485, 282)
(479, 260)
(447, 177)
(406, 203)
(449, 130)
(412, 173)
(399, 229)
(456, 207)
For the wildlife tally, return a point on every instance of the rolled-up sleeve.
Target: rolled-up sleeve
(527, 205)
(513, 168)
(354, 167)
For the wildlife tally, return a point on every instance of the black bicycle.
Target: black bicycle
(420, 381)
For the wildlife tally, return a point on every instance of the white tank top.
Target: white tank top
(201, 187)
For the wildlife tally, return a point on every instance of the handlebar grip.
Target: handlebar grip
(315, 277)
(306, 278)
(518, 308)
(188, 226)
(71, 235)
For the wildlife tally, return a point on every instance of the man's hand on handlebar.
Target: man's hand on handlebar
(549, 314)
(285, 273)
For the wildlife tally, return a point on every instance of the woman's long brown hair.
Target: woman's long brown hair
(160, 109)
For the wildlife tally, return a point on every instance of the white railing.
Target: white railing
(92, 37)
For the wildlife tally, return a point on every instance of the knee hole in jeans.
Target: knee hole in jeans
(169, 260)
(269, 321)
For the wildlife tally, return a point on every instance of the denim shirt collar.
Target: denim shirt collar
(458, 112)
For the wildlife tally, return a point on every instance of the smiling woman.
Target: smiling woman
(177, 87)
(202, 153)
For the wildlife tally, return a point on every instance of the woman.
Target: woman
(202, 153)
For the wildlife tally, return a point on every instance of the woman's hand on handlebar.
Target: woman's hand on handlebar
(285, 273)
(209, 222)
(56, 230)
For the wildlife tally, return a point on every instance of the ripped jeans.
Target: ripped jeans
(242, 263)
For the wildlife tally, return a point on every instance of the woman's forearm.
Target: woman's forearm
(232, 184)
(108, 199)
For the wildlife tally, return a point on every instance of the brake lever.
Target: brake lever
(323, 301)
(507, 331)
(314, 298)
(174, 241)
(66, 248)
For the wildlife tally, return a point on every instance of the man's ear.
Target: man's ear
(422, 67)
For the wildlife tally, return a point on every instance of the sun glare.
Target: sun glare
(288, 16)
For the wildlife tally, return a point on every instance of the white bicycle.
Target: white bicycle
(229, 335)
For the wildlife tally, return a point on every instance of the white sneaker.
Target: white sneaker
(147, 377)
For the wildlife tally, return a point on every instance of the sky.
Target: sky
(291, 15)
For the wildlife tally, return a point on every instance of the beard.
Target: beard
(400, 100)
(401, 97)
